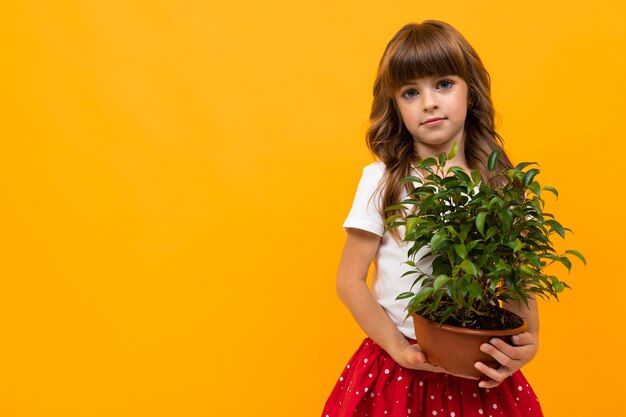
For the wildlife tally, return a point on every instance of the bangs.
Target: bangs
(424, 51)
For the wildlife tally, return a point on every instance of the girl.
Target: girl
(431, 91)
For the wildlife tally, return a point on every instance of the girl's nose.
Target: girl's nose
(429, 101)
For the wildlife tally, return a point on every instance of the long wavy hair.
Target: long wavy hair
(432, 48)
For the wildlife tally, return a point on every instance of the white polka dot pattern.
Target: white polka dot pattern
(373, 385)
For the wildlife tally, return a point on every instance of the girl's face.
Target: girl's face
(433, 110)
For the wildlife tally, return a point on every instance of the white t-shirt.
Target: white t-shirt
(388, 282)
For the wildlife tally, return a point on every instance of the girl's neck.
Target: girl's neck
(459, 161)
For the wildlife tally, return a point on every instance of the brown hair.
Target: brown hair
(431, 48)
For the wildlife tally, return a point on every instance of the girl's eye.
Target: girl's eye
(409, 93)
(446, 84)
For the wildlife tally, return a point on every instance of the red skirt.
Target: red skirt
(374, 385)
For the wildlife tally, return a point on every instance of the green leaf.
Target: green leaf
(552, 190)
(469, 267)
(451, 181)
(447, 313)
(527, 270)
(441, 268)
(565, 261)
(471, 245)
(514, 173)
(556, 226)
(437, 239)
(529, 176)
(405, 295)
(461, 174)
(549, 256)
(391, 219)
(441, 279)
(476, 177)
(422, 295)
(516, 245)
(480, 221)
(441, 158)
(559, 286)
(491, 232)
(475, 290)
(395, 207)
(393, 225)
(461, 250)
(412, 178)
(418, 279)
(535, 188)
(507, 219)
(436, 300)
(496, 200)
(534, 259)
(425, 163)
(426, 203)
(453, 151)
(578, 255)
(523, 165)
(493, 159)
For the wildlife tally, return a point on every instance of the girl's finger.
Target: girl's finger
(416, 355)
(488, 384)
(497, 375)
(437, 369)
(523, 339)
(421, 358)
(499, 354)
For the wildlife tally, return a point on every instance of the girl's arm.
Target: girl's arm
(358, 253)
(512, 357)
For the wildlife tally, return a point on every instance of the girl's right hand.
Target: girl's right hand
(410, 356)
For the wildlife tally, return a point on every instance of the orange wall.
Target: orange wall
(174, 177)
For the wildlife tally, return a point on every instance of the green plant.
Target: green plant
(490, 244)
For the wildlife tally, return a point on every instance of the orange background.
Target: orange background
(175, 174)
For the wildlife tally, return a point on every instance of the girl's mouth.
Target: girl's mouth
(435, 121)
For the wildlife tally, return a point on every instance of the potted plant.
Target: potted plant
(490, 244)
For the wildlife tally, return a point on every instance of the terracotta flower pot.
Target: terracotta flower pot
(456, 349)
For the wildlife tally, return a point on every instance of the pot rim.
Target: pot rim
(475, 332)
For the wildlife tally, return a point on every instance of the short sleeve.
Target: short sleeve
(365, 214)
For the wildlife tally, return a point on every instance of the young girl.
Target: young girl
(431, 91)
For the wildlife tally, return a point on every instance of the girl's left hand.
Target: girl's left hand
(511, 358)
